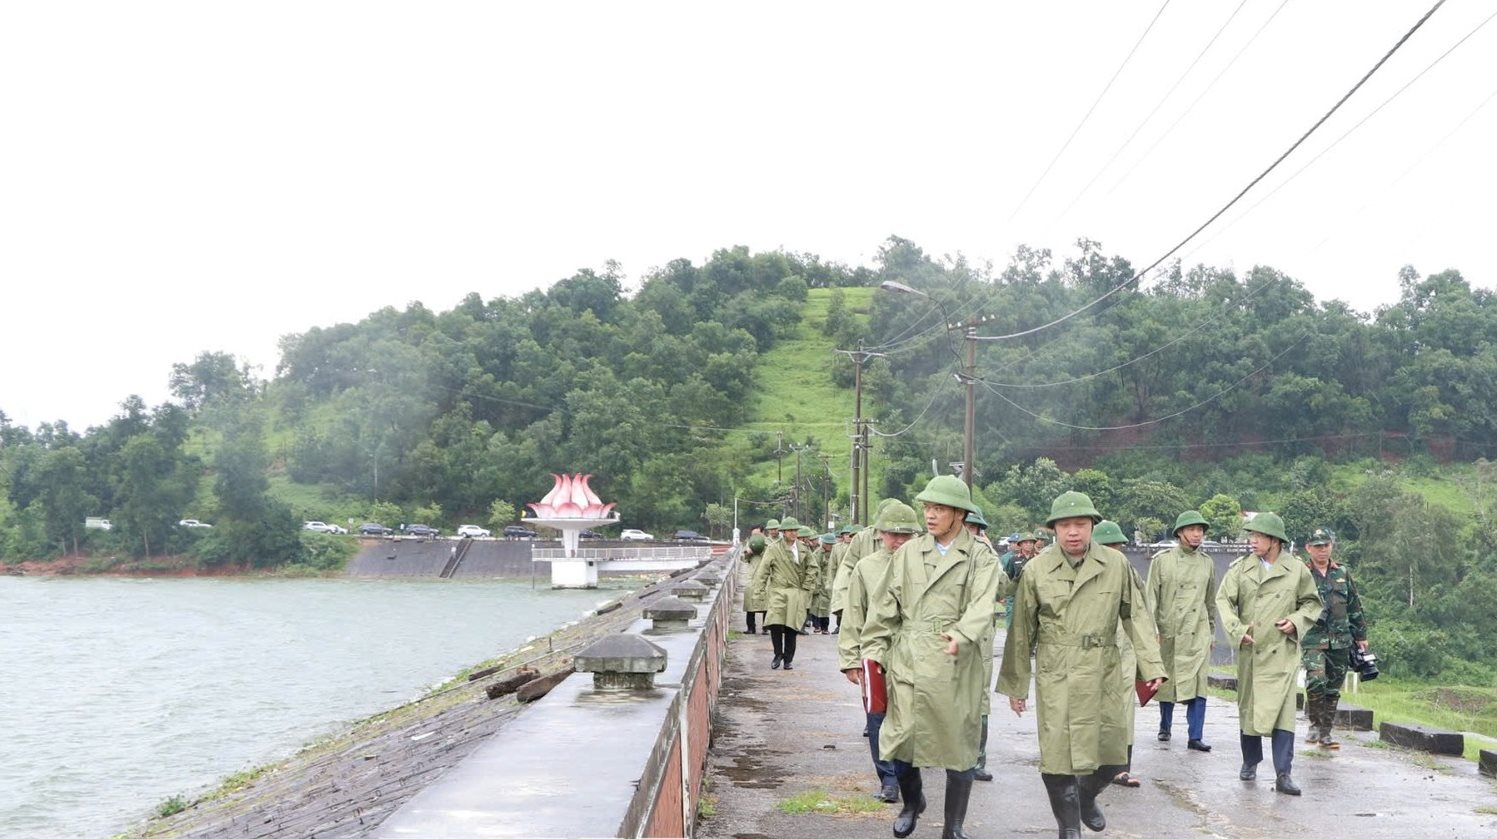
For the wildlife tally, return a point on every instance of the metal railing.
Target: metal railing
(617, 554)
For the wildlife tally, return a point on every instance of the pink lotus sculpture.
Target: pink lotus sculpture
(571, 498)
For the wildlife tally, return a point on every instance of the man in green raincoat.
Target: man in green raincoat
(1267, 602)
(927, 632)
(1182, 590)
(1109, 535)
(842, 563)
(1328, 644)
(821, 599)
(977, 525)
(753, 553)
(895, 525)
(785, 580)
(1072, 598)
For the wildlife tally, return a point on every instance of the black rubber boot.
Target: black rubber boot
(958, 792)
(1091, 786)
(1312, 713)
(912, 790)
(1065, 803)
(1283, 762)
(1327, 721)
(981, 773)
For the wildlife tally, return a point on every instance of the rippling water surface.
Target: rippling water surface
(116, 694)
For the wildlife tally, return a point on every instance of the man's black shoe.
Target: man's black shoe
(1248, 772)
(775, 665)
(788, 667)
(1164, 736)
(982, 775)
(889, 794)
(1198, 746)
(1285, 784)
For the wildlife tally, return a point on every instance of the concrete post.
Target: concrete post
(621, 662)
(670, 613)
(690, 590)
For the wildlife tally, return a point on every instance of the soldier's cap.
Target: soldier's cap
(1321, 536)
(1024, 537)
(975, 517)
(828, 538)
(772, 524)
(789, 523)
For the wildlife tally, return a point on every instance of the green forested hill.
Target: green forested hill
(1195, 387)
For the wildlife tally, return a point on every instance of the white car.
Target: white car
(636, 536)
(320, 527)
(193, 523)
(471, 531)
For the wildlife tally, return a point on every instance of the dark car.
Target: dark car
(515, 531)
(420, 530)
(688, 536)
(590, 534)
(370, 528)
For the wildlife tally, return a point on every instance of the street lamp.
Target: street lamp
(968, 375)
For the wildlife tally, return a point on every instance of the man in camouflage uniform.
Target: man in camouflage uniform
(1328, 644)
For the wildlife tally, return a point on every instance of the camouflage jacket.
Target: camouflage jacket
(1341, 621)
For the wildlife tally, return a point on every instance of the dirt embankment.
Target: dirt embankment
(156, 566)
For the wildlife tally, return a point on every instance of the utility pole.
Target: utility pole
(779, 451)
(797, 450)
(858, 491)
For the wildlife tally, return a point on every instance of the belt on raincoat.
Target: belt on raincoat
(1070, 639)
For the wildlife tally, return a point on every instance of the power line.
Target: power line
(1196, 101)
(1205, 401)
(1087, 115)
(1322, 153)
(935, 393)
(1237, 197)
(1155, 110)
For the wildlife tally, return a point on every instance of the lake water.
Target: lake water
(116, 694)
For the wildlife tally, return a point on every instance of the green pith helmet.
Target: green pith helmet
(1070, 505)
(975, 517)
(948, 490)
(1188, 518)
(1020, 538)
(1108, 533)
(1269, 524)
(828, 538)
(847, 530)
(772, 524)
(898, 518)
(1321, 536)
(884, 505)
(756, 544)
(789, 523)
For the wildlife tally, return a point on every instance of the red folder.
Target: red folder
(875, 697)
(1145, 691)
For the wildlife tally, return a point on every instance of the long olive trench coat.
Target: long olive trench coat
(865, 584)
(935, 700)
(1182, 592)
(753, 601)
(1257, 597)
(784, 582)
(862, 543)
(821, 599)
(1070, 615)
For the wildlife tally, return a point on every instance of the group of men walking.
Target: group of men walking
(916, 598)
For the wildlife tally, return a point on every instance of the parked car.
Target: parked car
(193, 523)
(689, 536)
(370, 528)
(516, 531)
(97, 523)
(421, 530)
(590, 534)
(321, 527)
(632, 535)
(472, 531)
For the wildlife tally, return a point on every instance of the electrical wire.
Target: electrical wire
(1322, 153)
(1156, 420)
(1155, 110)
(935, 393)
(1088, 114)
(1237, 197)
(1197, 100)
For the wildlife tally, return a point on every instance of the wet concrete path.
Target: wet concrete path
(785, 734)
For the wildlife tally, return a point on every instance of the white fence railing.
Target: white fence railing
(616, 554)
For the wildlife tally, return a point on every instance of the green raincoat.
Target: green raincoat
(842, 565)
(863, 543)
(1258, 597)
(784, 582)
(752, 600)
(865, 584)
(1182, 588)
(1070, 616)
(935, 700)
(821, 599)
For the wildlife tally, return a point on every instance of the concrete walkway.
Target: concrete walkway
(783, 734)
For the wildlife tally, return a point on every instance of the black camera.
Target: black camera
(1365, 663)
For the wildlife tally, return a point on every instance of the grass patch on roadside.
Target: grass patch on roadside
(1453, 708)
(821, 801)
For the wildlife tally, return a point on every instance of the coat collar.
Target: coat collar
(1057, 564)
(961, 549)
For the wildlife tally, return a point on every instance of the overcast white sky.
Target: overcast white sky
(178, 177)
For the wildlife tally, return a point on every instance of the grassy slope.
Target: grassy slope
(795, 394)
